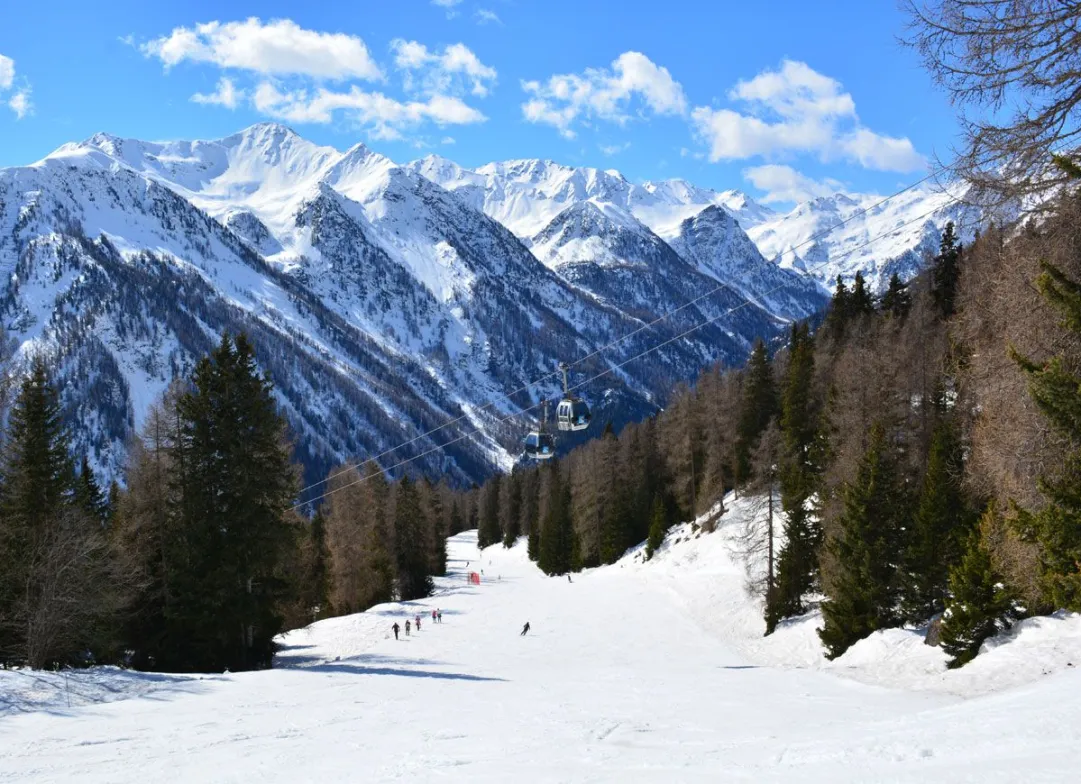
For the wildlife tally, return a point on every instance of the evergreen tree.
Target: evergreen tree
(938, 528)
(435, 512)
(1055, 387)
(54, 576)
(860, 301)
(979, 605)
(513, 489)
(797, 562)
(864, 592)
(757, 409)
(897, 300)
(235, 483)
(412, 547)
(556, 548)
(488, 531)
(658, 527)
(88, 495)
(946, 273)
(840, 310)
(457, 524)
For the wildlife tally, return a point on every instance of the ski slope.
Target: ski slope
(638, 672)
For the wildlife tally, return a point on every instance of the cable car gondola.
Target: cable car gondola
(540, 444)
(572, 412)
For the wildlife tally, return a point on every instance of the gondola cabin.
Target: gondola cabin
(540, 446)
(572, 414)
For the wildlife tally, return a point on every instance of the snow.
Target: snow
(637, 672)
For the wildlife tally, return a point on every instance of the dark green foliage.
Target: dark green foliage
(411, 543)
(946, 273)
(556, 548)
(979, 606)
(658, 527)
(234, 483)
(488, 531)
(88, 495)
(758, 407)
(942, 520)
(797, 563)
(1055, 387)
(513, 511)
(897, 301)
(864, 592)
(860, 302)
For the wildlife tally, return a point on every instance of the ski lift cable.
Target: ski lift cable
(590, 380)
(509, 396)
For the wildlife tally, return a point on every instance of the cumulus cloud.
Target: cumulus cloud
(604, 93)
(446, 72)
(19, 101)
(384, 116)
(614, 149)
(280, 46)
(785, 184)
(485, 16)
(308, 76)
(795, 109)
(226, 95)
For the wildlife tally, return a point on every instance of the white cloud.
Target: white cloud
(785, 184)
(485, 16)
(19, 102)
(446, 3)
(384, 117)
(7, 72)
(797, 110)
(280, 47)
(226, 95)
(614, 149)
(605, 94)
(447, 140)
(445, 72)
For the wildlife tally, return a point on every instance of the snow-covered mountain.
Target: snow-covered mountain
(382, 303)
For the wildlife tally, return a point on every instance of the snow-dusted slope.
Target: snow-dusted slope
(382, 304)
(628, 674)
(844, 234)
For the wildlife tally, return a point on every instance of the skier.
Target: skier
(433, 616)
(525, 629)
(407, 627)
(418, 621)
(440, 615)
(395, 627)
(569, 579)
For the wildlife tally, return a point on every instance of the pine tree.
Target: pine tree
(54, 576)
(938, 528)
(757, 409)
(946, 273)
(840, 310)
(88, 495)
(979, 605)
(1055, 387)
(897, 300)
(488, 531)
(235, 483)
(860, 302)
(864, 592)
(798, 475)
(513, 512)
(658, 527)
(414, 580)
(556, 548)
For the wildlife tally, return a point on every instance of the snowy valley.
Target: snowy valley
(388, 300)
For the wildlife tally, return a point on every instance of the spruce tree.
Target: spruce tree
(88, 495)
(840, 310)
(897, 300)
(658, 527)
(797, 561)
(412, 547)
(860, 301)
(556, 548)
(488, 531)
(864, 591)
(514, 509)
(979, 604)
(946, 273)
(938, 528)
(758, 407)
(235, 483)
(1055, 387)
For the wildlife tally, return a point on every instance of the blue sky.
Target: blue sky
(782, 99)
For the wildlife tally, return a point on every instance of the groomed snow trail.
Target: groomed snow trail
(619, 679)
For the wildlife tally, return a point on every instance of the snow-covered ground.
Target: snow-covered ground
(638, 672)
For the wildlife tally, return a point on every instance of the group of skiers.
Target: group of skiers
(437, 617)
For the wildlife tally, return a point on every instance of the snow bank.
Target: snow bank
(701, 572)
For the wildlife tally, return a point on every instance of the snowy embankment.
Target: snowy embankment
(704, 575)
(636, 672)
